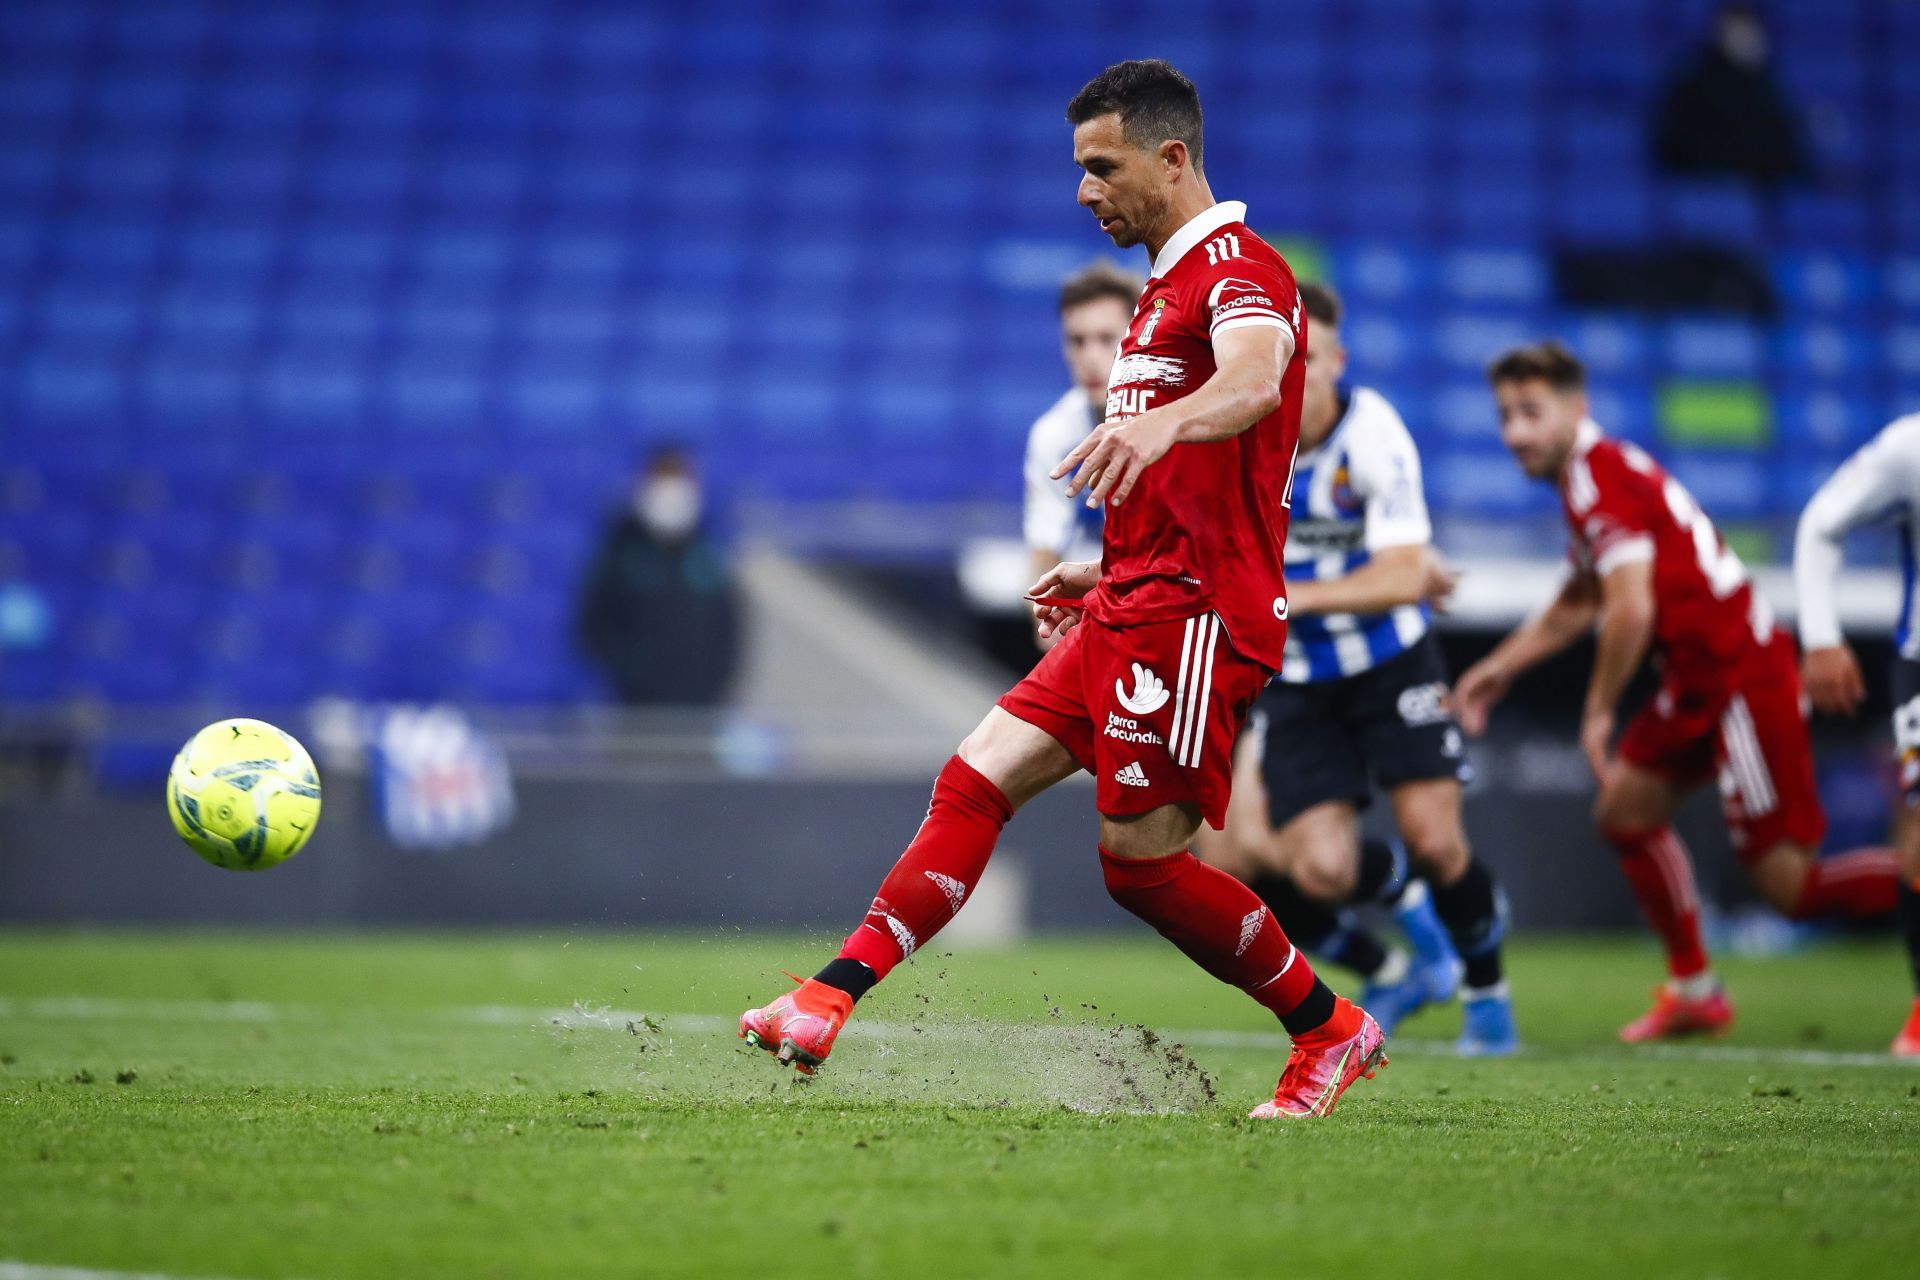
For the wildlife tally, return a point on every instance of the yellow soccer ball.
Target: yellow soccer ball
(243, 795)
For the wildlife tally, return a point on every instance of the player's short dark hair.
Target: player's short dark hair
(1321, 304)
(1549, 362)
(1154, 102)
(1100, 279)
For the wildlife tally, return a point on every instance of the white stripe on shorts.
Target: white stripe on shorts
(1749, 763)
(1180, 691)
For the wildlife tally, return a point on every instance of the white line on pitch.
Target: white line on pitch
(90, 1008)
(32, 1271)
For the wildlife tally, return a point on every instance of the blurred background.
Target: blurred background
(596, 429)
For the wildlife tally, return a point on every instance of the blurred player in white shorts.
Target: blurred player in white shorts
(1880, 484)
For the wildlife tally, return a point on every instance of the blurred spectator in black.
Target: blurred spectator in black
(1724, 113)
(659, 613)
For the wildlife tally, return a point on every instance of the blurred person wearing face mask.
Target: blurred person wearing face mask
(659, 613)
(1725, 113)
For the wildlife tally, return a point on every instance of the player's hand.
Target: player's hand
(1071, 578)
(1109, 461)
(1596, 739)
(1832, 677)
(1438, 579)
(1474, 694)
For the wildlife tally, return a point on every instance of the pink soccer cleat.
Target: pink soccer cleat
(1907, 1043)
(799, 1028)
(1318, 1070)
(1675, 1015)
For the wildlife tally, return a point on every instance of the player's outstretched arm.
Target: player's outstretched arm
(1245, 387)
(1854, 495)
(1626, 633)
(1393, 577)
(1565, 619)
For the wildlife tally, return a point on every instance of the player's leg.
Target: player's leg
(1335, 865)
(1313, 773)
(1225, 929)
(1906, 738)
(1771, 801)
(1163, 764)
(1468, 901)
(1403, 713)
(1003, 763)
(1634, 812)
(1243, 848)
(1907, 827)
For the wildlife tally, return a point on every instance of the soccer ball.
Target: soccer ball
(243, 795)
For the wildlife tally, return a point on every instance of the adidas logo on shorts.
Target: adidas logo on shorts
(1133, 776)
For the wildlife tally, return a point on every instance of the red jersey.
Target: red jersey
(1623, 508)
(1205, 526)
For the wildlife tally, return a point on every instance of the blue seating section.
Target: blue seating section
(328, 330)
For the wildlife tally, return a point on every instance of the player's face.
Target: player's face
(1320, 402)
(1124, 186)
(1538, 424)
(1090, 337)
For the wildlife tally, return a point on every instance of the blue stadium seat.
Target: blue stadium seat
(1482, 481)
(1718, 212)
(1823, 280)
(1713, 348)
(1900, 279)
(1728, 486)
(1824, 420)
(1624, 407)
(1828, 350)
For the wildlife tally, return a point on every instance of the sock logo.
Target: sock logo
(955, 891)
(1132, 776)
(1250, 929)
(902, 936)
(1149, 692)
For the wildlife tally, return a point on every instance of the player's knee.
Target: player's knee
(1324, 874)
(1615, 814)
(1441, 853)
(1781, 877)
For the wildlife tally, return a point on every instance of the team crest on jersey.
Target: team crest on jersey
(1153, 321)
(1343, 499)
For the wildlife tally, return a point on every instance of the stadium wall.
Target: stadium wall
(723, 853)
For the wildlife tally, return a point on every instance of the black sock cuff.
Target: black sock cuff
(1312, 1013)
(849, 976)
(1382, 873)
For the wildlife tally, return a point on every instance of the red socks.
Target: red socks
(1660, 873)
(1224, 929)
(933, 877)
(1865, 882)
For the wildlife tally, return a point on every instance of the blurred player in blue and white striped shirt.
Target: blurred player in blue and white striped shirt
(1362, 700)
(1096, 306)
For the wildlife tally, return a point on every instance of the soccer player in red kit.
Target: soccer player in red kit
(1168, 638)
(1650, 567)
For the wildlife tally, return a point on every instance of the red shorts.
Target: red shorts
(1152, 711)
(1753, 736)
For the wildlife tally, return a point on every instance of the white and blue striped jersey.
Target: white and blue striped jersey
(1358, 492)
(1051, 520)
(1879, 484)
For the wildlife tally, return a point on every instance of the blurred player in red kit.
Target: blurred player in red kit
(1167, 639)
(1650, 567)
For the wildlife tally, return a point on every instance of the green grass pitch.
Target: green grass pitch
(576, 1104)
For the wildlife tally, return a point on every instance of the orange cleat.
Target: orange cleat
(1674, 1015)
(1318, 1071)
(1907, 1043)
(799, 1028)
